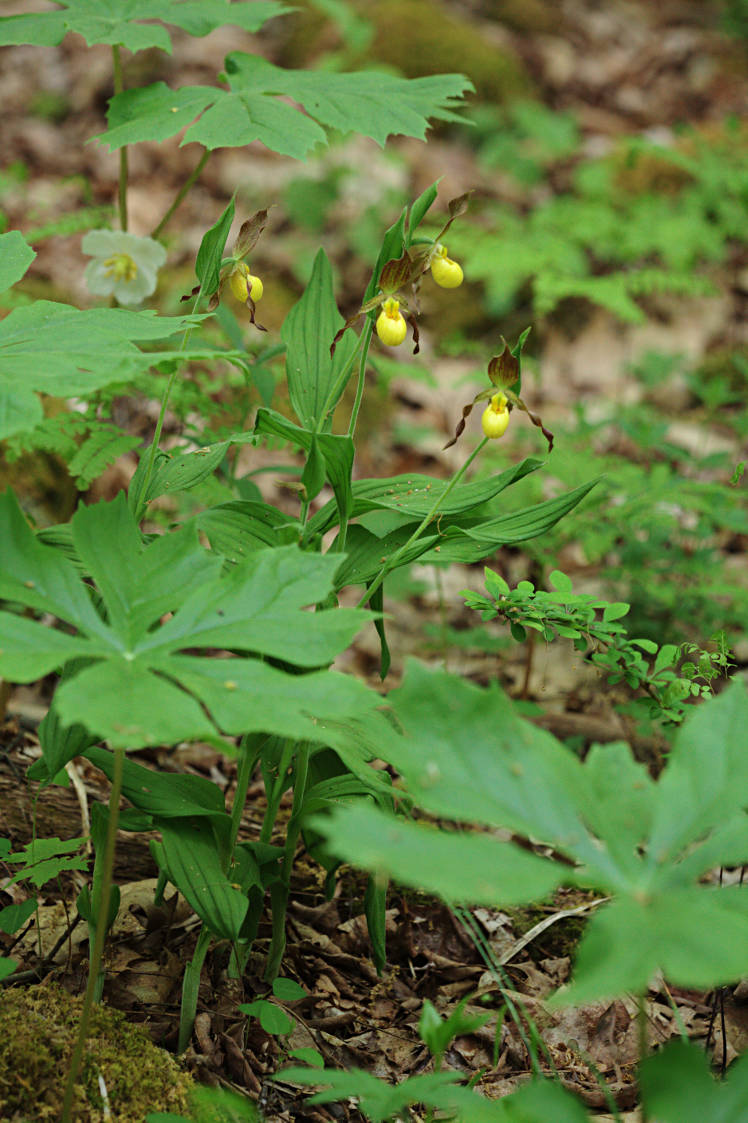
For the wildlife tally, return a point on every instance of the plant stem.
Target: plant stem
(101, 928)
(248, 758)
(162, 413)
(641, 1019)
(366, 340)
(279, 892)
(191, 989)
(181, 194)
(394, 559)
(122, 193)
(274, 797)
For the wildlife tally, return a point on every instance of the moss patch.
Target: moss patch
(422, 37)
(38, 1027)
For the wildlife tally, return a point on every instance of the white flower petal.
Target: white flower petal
(98, 281)
(107, 243)
(136, 290)
(148, 253)
(101, 243)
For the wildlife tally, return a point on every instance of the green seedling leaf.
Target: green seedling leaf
(288, 990)
(377, 1099)
(13, 917)
(316, 380)
(7, 967)
(309, 1056)
(438, 1033)
(372, 104)
(118, 22)
(272, 1018)
(15, 256)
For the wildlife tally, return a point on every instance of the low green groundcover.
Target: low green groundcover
(38, 1027)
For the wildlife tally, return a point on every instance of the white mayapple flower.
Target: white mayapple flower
(124, 266)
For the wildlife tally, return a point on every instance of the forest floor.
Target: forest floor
(624, 67)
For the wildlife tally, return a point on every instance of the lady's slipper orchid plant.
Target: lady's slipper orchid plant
(124, 266)
(446, 272)
(404, 273)
(496, 416)
(235, 271)
(391, 325)
(504, 372)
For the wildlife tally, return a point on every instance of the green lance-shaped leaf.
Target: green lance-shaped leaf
(415, 494)
(337, 452)
(208, 261)
(373, 104)
(120, 22)
(190, 857)
(315, 379)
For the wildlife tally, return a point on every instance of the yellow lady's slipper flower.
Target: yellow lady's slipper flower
(244, 285)
(391, 325)
(495, 416)
(444, 270)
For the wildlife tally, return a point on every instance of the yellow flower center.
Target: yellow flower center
(391, 309)
(122, 267)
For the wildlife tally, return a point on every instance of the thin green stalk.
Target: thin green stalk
(162, 414)
(122, 192)
(279, 893)
(98, 948)
(365, 341)
(392, 562)
(247, 760)
(641, 1021)
(276, 795)
(191, 989)
(182, 193)
(342, 378)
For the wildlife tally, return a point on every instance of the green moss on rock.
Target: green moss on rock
(38, 1027)
(421, 37)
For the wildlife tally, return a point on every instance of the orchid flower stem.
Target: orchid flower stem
(366, 340)
(122, 192)
(101, 930)
(392, 561)
(182, 193)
